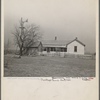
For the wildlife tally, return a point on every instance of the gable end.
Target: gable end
(77, 41)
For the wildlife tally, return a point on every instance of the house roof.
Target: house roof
(59, 43)
(77, 41)
(54, 43)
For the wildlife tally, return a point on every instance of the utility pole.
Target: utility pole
(22, 34)
(22, 26)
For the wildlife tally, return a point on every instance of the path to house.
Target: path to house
(43, 66)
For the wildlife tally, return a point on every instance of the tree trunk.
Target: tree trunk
(21, 50)
(20, 54)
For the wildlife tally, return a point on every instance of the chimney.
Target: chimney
(76, 38)
(55, 38)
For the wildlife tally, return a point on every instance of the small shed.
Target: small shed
(35, 49)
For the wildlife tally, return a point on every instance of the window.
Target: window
(62, 49)
(65, 49)
(57, 49)
(48, 49)
(52, 49)
(75, 48)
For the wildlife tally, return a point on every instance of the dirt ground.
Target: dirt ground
(44, 66)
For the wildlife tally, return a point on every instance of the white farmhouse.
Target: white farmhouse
(69, 47)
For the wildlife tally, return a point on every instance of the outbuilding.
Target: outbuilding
(35, 49)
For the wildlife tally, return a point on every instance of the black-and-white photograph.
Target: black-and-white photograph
(50, 38)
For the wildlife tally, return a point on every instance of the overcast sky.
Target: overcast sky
(65, 19)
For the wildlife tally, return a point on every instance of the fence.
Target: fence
(66, 55)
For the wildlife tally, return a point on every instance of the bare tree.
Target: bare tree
(26, 37)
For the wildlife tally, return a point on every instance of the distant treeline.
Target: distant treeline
(11, 52)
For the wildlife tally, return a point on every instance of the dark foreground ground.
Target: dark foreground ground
(43, 66)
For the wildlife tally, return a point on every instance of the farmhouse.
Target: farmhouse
(69, 47)
(56, 47)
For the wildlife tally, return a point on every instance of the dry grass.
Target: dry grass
(43, 66)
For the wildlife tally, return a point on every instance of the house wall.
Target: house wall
(80, 48)
(32, 51)
(40, 48)
(54, 53)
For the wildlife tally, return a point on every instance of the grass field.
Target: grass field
(44, 66)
